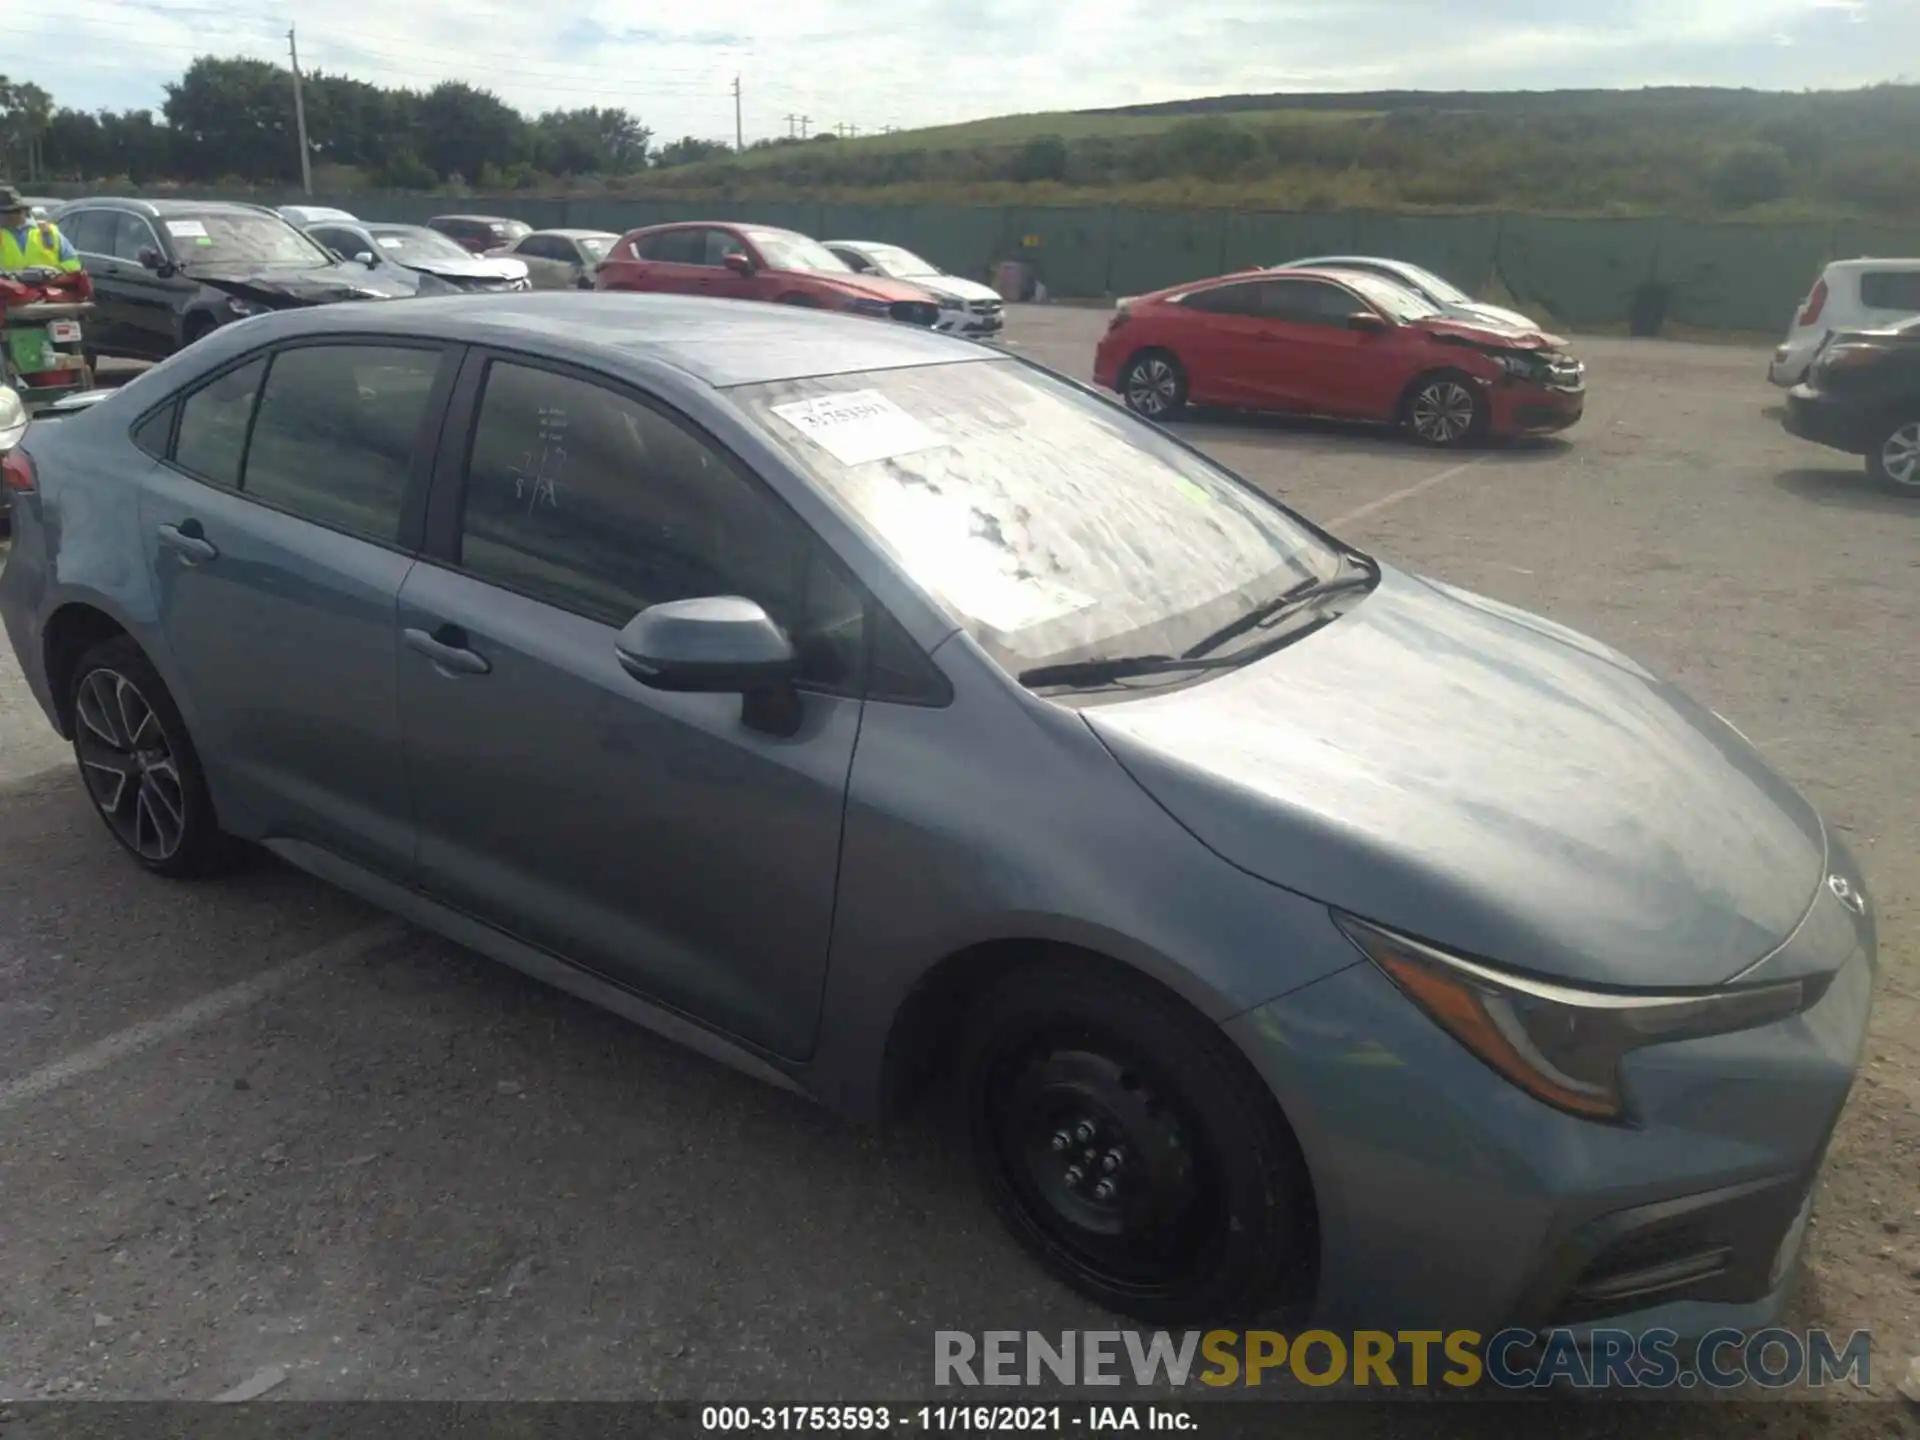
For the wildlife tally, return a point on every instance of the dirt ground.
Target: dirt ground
(252, 1129)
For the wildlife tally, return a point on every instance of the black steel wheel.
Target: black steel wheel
(139, 766)
(1445, 410)
(1154, 385)
(1128, 1146)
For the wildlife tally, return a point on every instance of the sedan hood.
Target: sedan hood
(474, 267)
(953, 287)
(1497, 316)
(872, 287)
(1489, 781)
(323, 285)
(1490, 334)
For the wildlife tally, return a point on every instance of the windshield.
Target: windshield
(240, 237)
(1396, 300)
(508, 230)
(1441, 290)
(903, 264)
(596, 246)
(415, 243)
(1055, 527)
(785, 250)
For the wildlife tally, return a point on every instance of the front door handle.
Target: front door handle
(190, 541)
(448, 650)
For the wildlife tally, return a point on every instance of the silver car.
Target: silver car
(869, 708)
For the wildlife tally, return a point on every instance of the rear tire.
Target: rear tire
(1445, 410)
(1131, 1149)
(1154, 385)
(1894, 463)
(139, 766)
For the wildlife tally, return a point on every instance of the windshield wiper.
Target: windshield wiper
(1362, 577)
(1107, 668)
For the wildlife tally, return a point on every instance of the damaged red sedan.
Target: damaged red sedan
(1339, 344)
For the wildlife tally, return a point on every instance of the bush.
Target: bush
(405, 170)
(1750, 175)
(1042, 158)
(1211, 148)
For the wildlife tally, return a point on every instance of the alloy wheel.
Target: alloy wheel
(129, 766)
(1152, 386)
(1900, 456)
(1443, 412)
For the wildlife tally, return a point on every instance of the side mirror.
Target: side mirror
(716, 645)
(739, 263)
(1367, 323)
(152, 259)
(367, 258)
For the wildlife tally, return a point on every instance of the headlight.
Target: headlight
(949, 302)
(1563, 1045)
(1521, 367)
(869, 307)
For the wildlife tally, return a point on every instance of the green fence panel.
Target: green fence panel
(1576, 272)
(1257, 238)
(1459, 248)
(1068, 246)
(960, 239)
(886, 224)
(1860, 239)
(1738, 277)
(1153, 249)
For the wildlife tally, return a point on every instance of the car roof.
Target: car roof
(721, 343)
(1869, 262)
(481, 219)
(577, 234)
(157, 208)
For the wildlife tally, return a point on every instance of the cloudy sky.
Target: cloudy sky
(917, 62)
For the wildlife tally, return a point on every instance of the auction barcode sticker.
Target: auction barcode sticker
(858, 426)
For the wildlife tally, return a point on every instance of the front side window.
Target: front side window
(213, 425)
(1308, 302)
(591, 501)
(717, 245)
(131, 236)
(675, 247)
(336, 432)
(1055, 526)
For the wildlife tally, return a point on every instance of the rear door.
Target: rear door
(656, 838)
(546, 257)
(90, 232)
(1221, 340)
(278, 533)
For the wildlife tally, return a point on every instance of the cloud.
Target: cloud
(918, 62)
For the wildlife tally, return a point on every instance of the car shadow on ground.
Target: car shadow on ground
(1198, 425)
(1848, 489)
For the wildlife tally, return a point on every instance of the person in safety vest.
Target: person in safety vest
(29, 244)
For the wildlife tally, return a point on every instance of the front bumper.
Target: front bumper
(972, 321)
(1812, 416)
(1449, 1199)
(1528, 409)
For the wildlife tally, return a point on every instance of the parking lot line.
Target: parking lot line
(1373, 507)
(195, 1013)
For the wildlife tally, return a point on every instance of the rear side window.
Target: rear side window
(335, 437)
(1226, 300)
(1891, 290)
(153, 433)
(213, 425)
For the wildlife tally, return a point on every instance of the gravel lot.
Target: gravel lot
(254, 1125)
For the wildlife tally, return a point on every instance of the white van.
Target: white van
(1849, 295)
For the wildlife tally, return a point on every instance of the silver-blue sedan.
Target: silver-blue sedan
(867, 707)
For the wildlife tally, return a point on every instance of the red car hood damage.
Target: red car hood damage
(862, 287)
(1489, 337)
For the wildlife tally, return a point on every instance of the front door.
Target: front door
(278, 561)
(1317, 363)
(654, 838)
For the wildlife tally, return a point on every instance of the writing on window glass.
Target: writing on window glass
(536, 479)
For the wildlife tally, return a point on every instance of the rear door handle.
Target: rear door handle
(189, 541)
(448, 651)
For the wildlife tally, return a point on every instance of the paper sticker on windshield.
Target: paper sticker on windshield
(388, 242)
(1011, 605)
(1192, 491)
(186, 229)
(858, 426)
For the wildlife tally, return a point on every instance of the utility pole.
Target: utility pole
(805, 121)
(739, 131)
(793, 122)
(300, 115)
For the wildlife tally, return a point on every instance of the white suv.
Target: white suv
(1849, 295)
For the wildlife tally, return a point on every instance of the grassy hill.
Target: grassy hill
(1706, 152)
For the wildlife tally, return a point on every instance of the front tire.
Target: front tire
(1154, 385)
(1894, 463)
(1446, 410)
(1131, 1149)
(139, 766)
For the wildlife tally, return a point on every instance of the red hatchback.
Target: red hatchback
(1340, 344)
(756, 262)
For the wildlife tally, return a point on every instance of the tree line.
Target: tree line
(233, 119)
